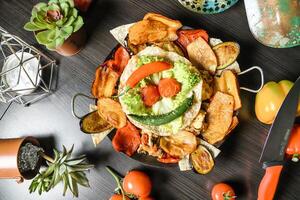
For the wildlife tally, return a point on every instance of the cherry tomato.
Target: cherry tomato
(137, 183)
(118, 197)
(222, 191)
(146, 198)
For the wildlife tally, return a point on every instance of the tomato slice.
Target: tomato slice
(185, 37)
(119, 61)
(150, 95)
(169, 87)
(127, 139)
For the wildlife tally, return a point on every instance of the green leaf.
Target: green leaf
(43, 37)
(39, 24)
(81, 179)
(75, 189)
(39, 188)
(66, 184)
(62, 169)
(40, 5)
(56, 155)
(70, 180)
(82, 167)
(53, 1)
(78, 24)
(69, 21)
(50, 170)
(65, 8)
(54, 7)
(70, 151)
(57, 178)
(31, 27)
(74, 13)
(75, 161)
(71, 2)
(66, 32)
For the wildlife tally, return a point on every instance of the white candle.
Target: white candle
(17, 79)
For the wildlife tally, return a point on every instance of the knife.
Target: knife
(273, 152)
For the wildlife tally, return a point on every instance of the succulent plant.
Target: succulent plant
(54, 22)
(63, 168)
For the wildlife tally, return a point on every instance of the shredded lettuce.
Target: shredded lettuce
(142, 60)
(134, 103)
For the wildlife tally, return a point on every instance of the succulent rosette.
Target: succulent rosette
(54, 22)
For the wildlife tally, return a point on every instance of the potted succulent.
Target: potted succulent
(21, 158)
(58, 26)
(18, 159)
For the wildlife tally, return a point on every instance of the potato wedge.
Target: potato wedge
(202, 160)
(207, 85)
(234, 123)
(202, 55)
(228, 84)
(179, 145)
(226, 53)
(198, 122)
(112, 112)
(93, 123)
(219, 117)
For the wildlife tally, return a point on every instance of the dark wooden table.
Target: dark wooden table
(51, 121)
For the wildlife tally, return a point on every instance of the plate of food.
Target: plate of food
(166, 95)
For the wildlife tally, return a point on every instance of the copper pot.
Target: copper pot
(9, 152)
(73, 44)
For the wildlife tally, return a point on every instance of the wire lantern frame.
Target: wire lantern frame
(26, 74)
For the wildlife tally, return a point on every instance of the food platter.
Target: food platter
(193, 113)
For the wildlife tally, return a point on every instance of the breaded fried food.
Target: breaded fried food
(105, 82)
(153, 28)
(202, 55)
(219, 117)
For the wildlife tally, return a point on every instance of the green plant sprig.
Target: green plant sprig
(119, 180)
(54, 22)
(63, 168)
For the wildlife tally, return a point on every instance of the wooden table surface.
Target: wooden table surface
(51, 121)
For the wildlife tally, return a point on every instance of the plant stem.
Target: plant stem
(117, 179)
(46, 157)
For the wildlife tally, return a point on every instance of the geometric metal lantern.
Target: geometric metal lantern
(26, 74)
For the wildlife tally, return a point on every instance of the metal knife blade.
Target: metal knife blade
(279, 133)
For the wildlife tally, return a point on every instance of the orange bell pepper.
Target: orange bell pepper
(293, 147)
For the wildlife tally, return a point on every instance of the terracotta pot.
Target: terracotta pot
(73, 44)
(9, 151)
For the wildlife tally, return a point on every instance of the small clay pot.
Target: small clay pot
(73, 44)
(9, 153)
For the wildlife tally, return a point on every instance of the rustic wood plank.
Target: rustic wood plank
(51, 120)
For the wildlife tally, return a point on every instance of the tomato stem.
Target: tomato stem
(295, 157)
(118, 181)
(227, 196)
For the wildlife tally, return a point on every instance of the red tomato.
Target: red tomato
(118, 197)
(169, 87)
(137, 183)
(127, 139)
(146, 198)
(150, 95)
(222, 191)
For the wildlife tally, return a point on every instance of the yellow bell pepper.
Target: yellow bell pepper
(269, 99)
